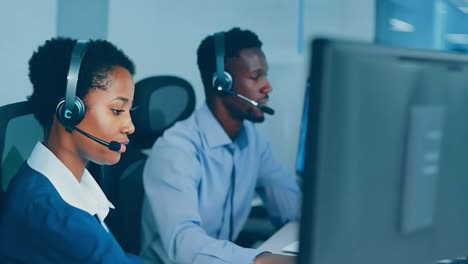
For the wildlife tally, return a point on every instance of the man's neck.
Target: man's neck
(229, 123)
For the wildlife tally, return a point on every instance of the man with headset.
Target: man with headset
(202, 174)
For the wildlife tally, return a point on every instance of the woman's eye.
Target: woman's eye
(117, 111)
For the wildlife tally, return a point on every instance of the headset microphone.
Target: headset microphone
(265, 109)
(71, 110)
(222, 80)
(113, 145)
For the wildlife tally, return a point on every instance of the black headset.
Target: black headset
(71, 110)
(222, 80)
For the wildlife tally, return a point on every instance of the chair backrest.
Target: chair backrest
(160, 101)
(19, 133)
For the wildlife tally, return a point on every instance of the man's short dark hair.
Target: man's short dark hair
(48, 69)
(235, 40)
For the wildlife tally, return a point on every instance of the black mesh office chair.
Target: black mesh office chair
(19, 133)
(160, 101)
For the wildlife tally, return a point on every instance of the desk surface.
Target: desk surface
(283, 237)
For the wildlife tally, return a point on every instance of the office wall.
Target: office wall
(24, 24)
(420, 16)
(454, 23)
(162, 38)
(163, 35)
(341, 18)
(83, 19)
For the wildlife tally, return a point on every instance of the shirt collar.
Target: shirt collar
(214, 133)
(85, 195)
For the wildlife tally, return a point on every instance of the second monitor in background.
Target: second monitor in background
(386, 153)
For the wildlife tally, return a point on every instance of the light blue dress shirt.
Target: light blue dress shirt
(187, 181)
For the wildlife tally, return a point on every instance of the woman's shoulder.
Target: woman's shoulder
(30, 187)
(35, 207)
(32, 197)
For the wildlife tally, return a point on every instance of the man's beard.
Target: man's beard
(254, 118)
(247, 114)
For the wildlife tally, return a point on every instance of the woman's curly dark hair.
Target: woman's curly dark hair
(48, 69)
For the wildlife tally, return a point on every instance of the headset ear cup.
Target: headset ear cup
(224, 81)
(72, 118)
(80, 110)
(59, 112)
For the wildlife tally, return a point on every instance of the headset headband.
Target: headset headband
(72, 77)
(219, 49)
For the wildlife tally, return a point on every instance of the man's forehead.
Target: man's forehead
(250, 59)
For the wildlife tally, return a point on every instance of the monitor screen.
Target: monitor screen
(300, 158)
(385, 176)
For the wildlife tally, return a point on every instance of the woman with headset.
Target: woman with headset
(55, 210)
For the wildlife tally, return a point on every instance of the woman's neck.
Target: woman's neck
(61, 145)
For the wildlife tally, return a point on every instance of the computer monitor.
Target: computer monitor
(385, 175)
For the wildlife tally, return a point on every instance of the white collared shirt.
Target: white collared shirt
(85, 195)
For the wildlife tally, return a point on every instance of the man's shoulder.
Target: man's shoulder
(186, 126)
(182, 132)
